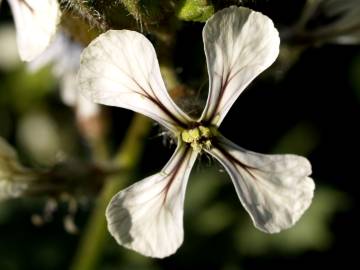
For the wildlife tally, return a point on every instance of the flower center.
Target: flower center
(199, 137)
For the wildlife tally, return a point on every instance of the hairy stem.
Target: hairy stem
(87, 12)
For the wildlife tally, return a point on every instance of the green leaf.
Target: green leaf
(195, 10)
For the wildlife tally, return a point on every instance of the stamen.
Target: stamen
(199, 137)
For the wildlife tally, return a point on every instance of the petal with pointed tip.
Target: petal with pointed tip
(239, 45)
(36, 22)
(274, 189)
(120, 68)
(147, 217)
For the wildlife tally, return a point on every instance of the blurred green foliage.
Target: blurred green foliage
(195, 10)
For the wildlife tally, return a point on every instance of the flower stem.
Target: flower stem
(95, 233)
(87, 12)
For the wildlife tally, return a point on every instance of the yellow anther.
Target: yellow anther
(207, 144)
(194, 134)
(205, 132)
(196, 146)
(199, 137)
(191, 135)
(185, 136)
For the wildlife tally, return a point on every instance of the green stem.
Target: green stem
(95, 233)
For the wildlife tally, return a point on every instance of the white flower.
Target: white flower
(120, 68)
(35, 22)
(64, 56)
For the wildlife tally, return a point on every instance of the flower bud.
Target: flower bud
(14, 178)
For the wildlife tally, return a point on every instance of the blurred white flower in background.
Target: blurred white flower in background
(9, 56)
(36, 23)
(346, 24)
(334, 21)
(63, 55)
(40, 136)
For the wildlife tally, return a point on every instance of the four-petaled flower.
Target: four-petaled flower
(120, 68)
(36, 22)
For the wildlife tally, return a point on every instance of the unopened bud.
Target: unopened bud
(14, 178)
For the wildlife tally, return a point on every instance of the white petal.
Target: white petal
(274, 189)
(86, 108)
(239, 45)
(148, 216)
(36, 23)
(70, 95)
(120, 68)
